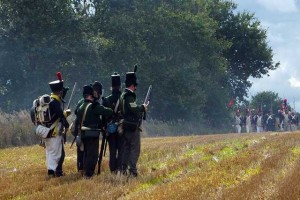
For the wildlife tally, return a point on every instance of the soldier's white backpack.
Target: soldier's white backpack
(40, 115)
(42, 111)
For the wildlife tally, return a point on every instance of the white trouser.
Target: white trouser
(281, 126)
(293, 127)
(53, 151)
(238, 128)
(287, 126)
(259, 129)
(248, 128)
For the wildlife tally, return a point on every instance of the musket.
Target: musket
(68, 106)
(105, 147)
(71, 96)
(147, 99)
(101, 152)
(73, 142)
(75, 123)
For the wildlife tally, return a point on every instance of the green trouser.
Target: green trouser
(132, 149)
(90, 155)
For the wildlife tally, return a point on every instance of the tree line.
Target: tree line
(197, 54)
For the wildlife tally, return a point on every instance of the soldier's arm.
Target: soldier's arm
(105, 102)
(80, 102)
(59, 113)
(104, 111)
(133, 107)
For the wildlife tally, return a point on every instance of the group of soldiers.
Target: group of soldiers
(284, 120)
(93, 114)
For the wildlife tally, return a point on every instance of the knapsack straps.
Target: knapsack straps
(52, 129)
(54, 124)
(117, 105)
(84, 114)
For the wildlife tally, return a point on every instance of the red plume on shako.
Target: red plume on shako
(57, 85)
(59, 76)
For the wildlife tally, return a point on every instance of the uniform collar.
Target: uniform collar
(88, 100)
(129, 90)
(56, 97)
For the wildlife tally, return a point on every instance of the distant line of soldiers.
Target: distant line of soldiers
(257, 122)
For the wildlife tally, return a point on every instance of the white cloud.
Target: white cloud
(294, 82)
(281, 19)
(279, 5)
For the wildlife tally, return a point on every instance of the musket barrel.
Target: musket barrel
(71, 96)
(146, 101)
(148, 94)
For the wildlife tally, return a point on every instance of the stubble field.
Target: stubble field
(225, 166)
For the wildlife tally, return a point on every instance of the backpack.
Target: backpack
(130, 121)
(40, 112)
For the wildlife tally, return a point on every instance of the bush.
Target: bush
(16, 129)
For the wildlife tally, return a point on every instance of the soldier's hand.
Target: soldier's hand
(146, 105)
(67, 112)
(78, 141)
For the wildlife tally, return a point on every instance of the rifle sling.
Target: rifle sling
(84, 114)
(116, 106)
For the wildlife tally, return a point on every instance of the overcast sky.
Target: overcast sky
(281, 19)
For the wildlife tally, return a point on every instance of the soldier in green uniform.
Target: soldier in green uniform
(115, 141)
(88, 115)
(97, 92)
(132, 115)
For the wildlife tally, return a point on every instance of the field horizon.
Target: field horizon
(216, 166)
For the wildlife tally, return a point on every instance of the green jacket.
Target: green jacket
(93, 113)
(111, 102)
(129, 107)
(80, 102)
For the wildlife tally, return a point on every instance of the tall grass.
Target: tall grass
(16, 129)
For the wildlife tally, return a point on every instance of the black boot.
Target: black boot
(133, 174)
(51, 173)
(59, 174)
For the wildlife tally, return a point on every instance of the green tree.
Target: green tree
(265, 101)
(39, 38)
(175, 45)
(249, 54)
(197, 54)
